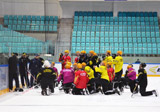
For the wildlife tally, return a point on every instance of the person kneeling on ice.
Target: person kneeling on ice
(54, 68)
(80, 81)
(142, 81)
(75, 67)
(67, 75)
(130, 78)
(90, 73)
(111, 75)
(104, 78)
(46, 77)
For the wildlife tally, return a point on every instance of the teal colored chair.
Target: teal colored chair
(92, 45)
(97, 49)
(143, 39)
(148, 39)
(87, 39)
(83, 45)
(78, 39)
(120, 40)
(102, 39)
(158, 40)
(153, 40)
(87, 44)
(83, 39)
(154, 45)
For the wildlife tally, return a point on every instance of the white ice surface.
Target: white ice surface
(32, 101)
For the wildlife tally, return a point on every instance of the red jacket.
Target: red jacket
(111, 74)
(65, 59)
(81, 79)
(76, 60)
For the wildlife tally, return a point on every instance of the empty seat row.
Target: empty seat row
(93, 13)
(137, 14)
(33, 27)
(29, 17)
(19, 39)
(116, 19)
(21, 50)
(114, 50)
(115, 34)
(135, 40)
(24, 22)
(117, 45)
(117, 23)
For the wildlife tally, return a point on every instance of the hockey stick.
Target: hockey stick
(31, 75)
(134, 90)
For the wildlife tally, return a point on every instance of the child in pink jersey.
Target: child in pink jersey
(54, 68)
(67, 75)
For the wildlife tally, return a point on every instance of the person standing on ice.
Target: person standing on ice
(34, 67)
(66, 58)
(67, 75)
(108, 57)
(118, 62)
(23, 61)
(142, 81)
(13, 72)
(76, 60)
(80, 81)
(46, 77)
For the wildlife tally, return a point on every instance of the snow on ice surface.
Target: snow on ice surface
(33, 101)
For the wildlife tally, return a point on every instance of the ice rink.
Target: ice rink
(32, 101)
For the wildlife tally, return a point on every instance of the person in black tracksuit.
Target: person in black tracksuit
(46, 77)
(23, 61)
(83, 58)
(13, 72)
(142, 81)
(34, 67)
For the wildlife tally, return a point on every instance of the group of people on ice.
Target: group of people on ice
(87, 75)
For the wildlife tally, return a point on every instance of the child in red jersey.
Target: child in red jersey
(66, 58)
(80, 81)
(76, 60)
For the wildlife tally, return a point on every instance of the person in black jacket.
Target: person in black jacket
(83, 57)
(142, 81)
(13, 72)
(46, 77)
(92, 60)
(34, 67)
(23, 61)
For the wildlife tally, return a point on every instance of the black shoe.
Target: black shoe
(20, 90)
(155, 92)
(116, 91)
(121, 89)
(36, 87)
(52, 90)
(16, 89)
(44, 92)
(92, 92)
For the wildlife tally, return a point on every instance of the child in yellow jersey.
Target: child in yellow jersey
(108, 57)
(90, 73)
(118, 62)
(104, 79)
